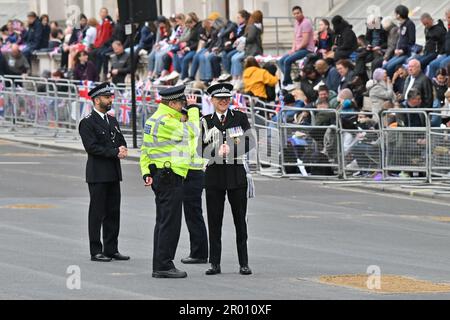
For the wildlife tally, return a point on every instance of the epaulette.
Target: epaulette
(88, 116)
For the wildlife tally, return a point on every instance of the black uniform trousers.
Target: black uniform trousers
(104, 210)
(215, 202)
(193, 214)
(169, 200)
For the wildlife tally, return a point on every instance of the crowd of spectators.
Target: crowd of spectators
(328, 68)
(379, 68)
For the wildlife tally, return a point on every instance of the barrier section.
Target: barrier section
(361, 145)
(268, 138)
(406, 143)
(439, 153)
(309, 142)
(7, 102)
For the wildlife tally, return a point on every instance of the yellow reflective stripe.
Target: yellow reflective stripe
(169, 155)
(165, 144)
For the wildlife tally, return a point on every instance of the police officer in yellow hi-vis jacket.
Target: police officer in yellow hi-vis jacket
(165, 161)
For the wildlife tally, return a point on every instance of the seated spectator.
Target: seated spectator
(212, 50)
(33, 37)
(325, 96)
(205, 38)
(256, 79)
(366, 151)
(253, 46)
(345, 39)
(376, 39)
(418, 80)
(443, 60)
(194, 24)
(76, 37)
(406, 40)
(435, 40)
(398, 81)
(84, 69)
(391, 31)
(325, 38)
(91, 34)
(160, 48)
(345, 70)
(146, 40)
(171, 60)
(302, 45)
(120, 63)
(380, 90)
(11, 36)
(440, 88)
(236, 40)
(103, 52)
(329, 74)
(18, 65)
(413, 100)
(309, 80)
(55, 39)
(346, 101)
(223, 45)
(289, 101)
(45, 20)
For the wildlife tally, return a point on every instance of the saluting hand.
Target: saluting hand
(191, 99)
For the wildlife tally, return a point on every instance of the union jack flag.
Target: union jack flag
(84, 89)
(125, 114)
(239, 102)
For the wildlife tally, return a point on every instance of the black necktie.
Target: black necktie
(105, 117)
(222, 119)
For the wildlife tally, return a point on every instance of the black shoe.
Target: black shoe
(245, 270)
(190, 260)
(100, 258)
(119, 257)
(215, 269)
(172, 273)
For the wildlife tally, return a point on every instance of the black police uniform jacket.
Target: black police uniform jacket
(101, 142)
(226, 173)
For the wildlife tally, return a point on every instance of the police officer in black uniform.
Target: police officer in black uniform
(227, 137)
(105, 146)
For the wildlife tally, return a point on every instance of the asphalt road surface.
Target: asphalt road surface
(298, 231)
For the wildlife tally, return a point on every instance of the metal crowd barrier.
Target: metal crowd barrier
(268, 138)
(361, 145)
(439, 151)
(309, 148)
(291, 142)
(406, 143)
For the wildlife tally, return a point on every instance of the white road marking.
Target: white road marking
(18, 163)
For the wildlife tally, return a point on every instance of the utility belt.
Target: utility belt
(165, 176)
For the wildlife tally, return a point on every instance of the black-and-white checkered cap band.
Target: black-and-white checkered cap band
(102, 92)
(174, 97)
(221, 93)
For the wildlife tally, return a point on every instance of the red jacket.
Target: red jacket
(104, 33)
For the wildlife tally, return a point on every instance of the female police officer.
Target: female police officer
(227, 137)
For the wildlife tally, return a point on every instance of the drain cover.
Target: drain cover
(389, 284)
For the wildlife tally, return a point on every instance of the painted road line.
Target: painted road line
(18, 163)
